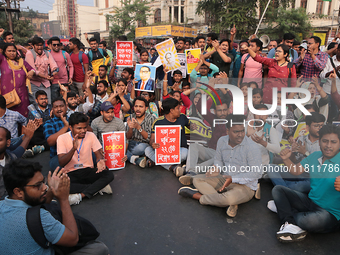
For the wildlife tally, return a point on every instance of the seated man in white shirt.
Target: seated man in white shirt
(233, 178)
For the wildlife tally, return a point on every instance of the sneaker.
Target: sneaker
(187, 192)
(28, 154)
(290, 233)
(187, 179)
(74, 199)
(38, 149)
(232, 210)
(258, 192)
(107, 189)
(133, 159)
(179, 171)
(272, 206)
(141, 162)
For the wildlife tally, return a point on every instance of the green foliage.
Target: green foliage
(125, 18)
(282, 21)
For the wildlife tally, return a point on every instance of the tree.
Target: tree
(282, 21)
(125, 18)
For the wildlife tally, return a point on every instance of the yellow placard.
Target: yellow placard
(193, 57)
(161, 30)
(322, 37)
(168, 54)
(301, 130)
(143, 31)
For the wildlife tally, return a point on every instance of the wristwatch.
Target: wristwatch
(307, 153)
(140, 130)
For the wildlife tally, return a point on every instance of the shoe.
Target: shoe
(133, 159)
(179, 171)
(107, 189)
(258, 192)
(38, 149)
(149, 163)
(187, 179)
(74, 199)
(141, 162)
(232, 210)
(187, 192)
(272, 206)
(290, 233)
(28, 154)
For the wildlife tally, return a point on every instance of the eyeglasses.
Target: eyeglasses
(58, 44)
(317, 125)
(38, 185)
(145, 95)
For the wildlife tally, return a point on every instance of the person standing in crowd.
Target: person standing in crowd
(200, 40)
(251, 70)
(138, 131)
(319, 210)
(312, 61)
(45, 67)
(272, 45)
(288, 40)
(80, 64)
(97, 56)
(180, 44)
(211, 37)
(15, 75)
(64, 63)
(8, 37)
(103, 45)
(281, 73)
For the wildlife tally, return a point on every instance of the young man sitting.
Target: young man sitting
(74, 151)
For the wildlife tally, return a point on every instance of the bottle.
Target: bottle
(34, 111)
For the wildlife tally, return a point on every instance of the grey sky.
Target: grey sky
(44, 6)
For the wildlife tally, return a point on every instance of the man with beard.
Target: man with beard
(102, 76)
(138, 131)
(319, 210)
(304, 146)
(199, 153)
(75, 150)
(107, 122)
(265, 135)
(38, 142)
(97, 56)
(73, 102)
(27, 187)
(55, 127)
(288, 39)
(99, 99)
(7, 156)
(226, 183)
(180, 43)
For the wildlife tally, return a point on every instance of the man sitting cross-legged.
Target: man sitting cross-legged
(228, 182)
(74, 150)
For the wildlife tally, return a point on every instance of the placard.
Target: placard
(145, 74)
(124, 53)
(193, 57)
(168, 54)
(183, 62)
(114, 149)
(169, 138)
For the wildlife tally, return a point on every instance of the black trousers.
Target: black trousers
(88, 182)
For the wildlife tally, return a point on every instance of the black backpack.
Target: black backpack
(86, 231)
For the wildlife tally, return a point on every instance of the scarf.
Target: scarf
(19, 67)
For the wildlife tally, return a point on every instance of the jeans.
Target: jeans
(297, 208)
(136, 148)
(290, 181)
(54, 163)
(15, 143)
(150, 153)
(55, 91)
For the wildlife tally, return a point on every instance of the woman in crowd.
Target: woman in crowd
(279, 71)
(15, 75)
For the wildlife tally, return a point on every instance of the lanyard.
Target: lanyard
(81, 144)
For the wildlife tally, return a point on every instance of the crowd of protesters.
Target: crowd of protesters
(63, 98)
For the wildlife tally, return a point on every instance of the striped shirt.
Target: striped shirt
(99, 126)
(310, 67)
(10, 120)
(145, 125)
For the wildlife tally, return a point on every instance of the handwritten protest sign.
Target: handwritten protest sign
(168, 54)
(114, 149)
(169, 138)
(124, 53)
(193, 57)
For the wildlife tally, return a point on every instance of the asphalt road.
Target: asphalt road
(145, 215)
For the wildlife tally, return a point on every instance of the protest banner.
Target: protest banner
(183, 62)
(193, 57)
(124, 53)
(168, 54)
(169, 138)
(146, 76)
(114, 149)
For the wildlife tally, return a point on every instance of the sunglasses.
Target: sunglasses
(58, 44)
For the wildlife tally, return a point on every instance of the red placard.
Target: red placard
(124, 53)
(169, 138)
(114, 149)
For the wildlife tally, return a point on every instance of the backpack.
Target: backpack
(86, 231)
(90, 54)
(35, 54)
(80, 56)
(245, 60)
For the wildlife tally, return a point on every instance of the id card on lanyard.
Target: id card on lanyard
(79, 165)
